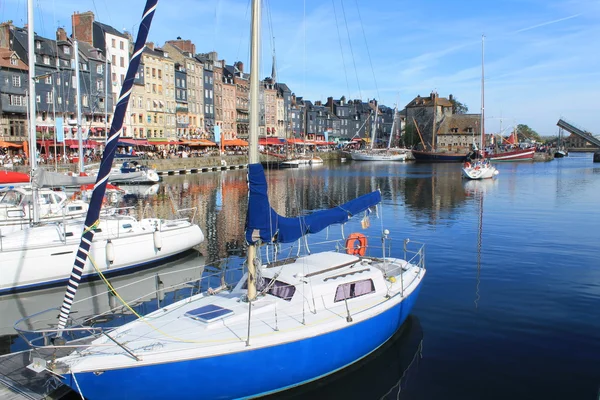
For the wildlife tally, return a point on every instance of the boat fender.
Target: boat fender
(356, 244)
(467, 165)
(157, 240)
(110, 251)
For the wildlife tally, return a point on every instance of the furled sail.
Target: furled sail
(106, 164)
(265, 225)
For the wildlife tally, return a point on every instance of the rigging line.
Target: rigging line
(243, 35)
(341, 47)
(351, 51)
(367, 46)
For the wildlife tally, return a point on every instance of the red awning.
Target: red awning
(272, 141)
(197, 142)
(235, 142)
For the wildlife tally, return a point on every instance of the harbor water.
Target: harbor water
(508, 308)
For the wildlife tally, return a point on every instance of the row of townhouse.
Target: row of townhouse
(181, 94)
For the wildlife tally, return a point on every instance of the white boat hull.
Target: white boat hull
(476, 173)
(41, 256)
(381, 156)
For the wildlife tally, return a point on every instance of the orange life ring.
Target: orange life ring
(355, 249)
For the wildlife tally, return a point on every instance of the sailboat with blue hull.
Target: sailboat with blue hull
(286, 322)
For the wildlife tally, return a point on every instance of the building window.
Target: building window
(46, 60)
(16, 81)
(59, 100)
(122, 60)
(14, 61)
(38, 45)
(114, 43)
(16, 100)
(38, 99)
(99, 85)
(99, 68)
(48, 80)
(84, 100)
(114, 60)
(122, 45)
(49, 98)
(66, 50)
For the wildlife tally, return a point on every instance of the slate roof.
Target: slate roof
(461, 122)
(109, 29)
(428, 102)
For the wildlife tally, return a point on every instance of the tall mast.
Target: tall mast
(105, 166)
(32, 101)
(392, 130)
(78, 102)
(433, 138)
(374, 128)
(253, 124)
(482, 143)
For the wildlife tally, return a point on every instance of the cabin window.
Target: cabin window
(279, 289)
(354, 289)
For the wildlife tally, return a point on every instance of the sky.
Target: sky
(542, 57)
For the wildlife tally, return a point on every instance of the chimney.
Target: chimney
(61, 35)
(184, 45)
(150, 45)
(330, 103)
(83, 27)
(450, 97)
(240, 66)
(5, 29)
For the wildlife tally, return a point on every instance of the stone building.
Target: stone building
(242, 93)
(181, 102)
(115, 46)
(425, 114)
(182, 51)
(228, 127)
(458, 132)
(13, 91)
(159, 94)
(268, 107)
(137, 105)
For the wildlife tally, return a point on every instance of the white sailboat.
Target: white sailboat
(16, 208)
(373, 154)
(39, 255)
(480, 167)
(300, 318)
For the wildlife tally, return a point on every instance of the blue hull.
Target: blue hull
(250, 373)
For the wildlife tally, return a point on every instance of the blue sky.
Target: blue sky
(542, 58)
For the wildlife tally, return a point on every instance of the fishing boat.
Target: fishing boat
(514, 152)
(479, 167)
(373, 154)
(302, 317)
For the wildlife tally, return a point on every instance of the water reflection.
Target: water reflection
(385, 374)
(93, 298)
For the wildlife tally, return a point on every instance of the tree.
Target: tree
(411, 136)
(525, 132)
(458, 107)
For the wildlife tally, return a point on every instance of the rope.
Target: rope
(77, 384)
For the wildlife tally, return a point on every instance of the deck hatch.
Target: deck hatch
(208, 313)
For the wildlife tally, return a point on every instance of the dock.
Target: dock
(17, 382)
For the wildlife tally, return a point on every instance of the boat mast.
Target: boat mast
(374, 128)
(253, 125)
(78, 102)
(32, 101)
(392, 130)
(482, 143)
(93, 214)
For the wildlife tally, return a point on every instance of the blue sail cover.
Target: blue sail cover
(264, 224)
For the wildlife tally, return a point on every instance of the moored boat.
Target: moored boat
(433, 156)
(513, 155)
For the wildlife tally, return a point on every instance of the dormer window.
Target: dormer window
(66, 50)
(46, 60)
(14, 61)
(38, 45)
